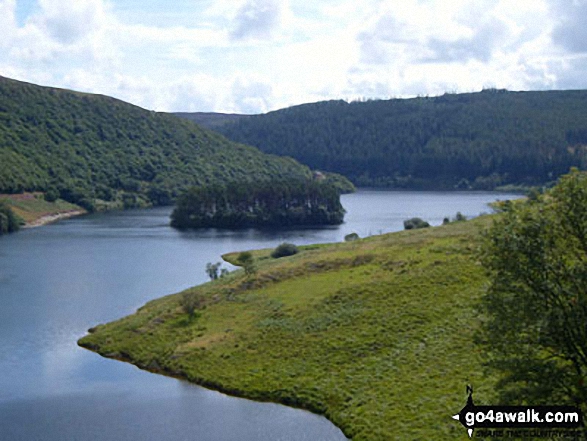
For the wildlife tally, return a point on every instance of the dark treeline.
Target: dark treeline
(9, 222)
(474, 140)
(248, 204)
(90, 149)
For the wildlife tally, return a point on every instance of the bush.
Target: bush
(9, 222)
(246, 260)
(190, 301)
(460, 217)
(283, 250)
(212, 270)
(51, 195)
(351, 237)
(415, 223)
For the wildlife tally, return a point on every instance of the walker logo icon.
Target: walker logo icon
(518, 419)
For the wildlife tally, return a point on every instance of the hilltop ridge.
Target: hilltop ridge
(480, 140)
(96, 150)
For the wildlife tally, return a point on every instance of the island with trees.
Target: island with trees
(254, 204)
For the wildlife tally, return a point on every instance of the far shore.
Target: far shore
(50, 218)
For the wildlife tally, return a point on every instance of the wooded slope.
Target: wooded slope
(84, 147)
(473, 140)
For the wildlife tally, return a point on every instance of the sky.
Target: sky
(254, 56)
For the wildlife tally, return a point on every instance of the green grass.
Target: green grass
(377, 334)
(32, 206)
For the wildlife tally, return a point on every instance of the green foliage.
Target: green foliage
(191, 301)
(9, 222)
(242, 204)
(351, 237)
(415, 223)
(51, 195)
(284, 250)
(536, 305)
(475, 140)
(246, 260)
(91, 147)
(460, 217)
(212, 269)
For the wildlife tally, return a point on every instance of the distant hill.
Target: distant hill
(474, 140)
(86, 148)
(210, 120)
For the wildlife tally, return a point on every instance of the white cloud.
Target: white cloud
(68, 22)
(257, 19)
(571, 30)
(7, 22)
(258, 55)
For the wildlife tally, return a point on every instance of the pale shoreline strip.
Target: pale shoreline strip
(49, 218)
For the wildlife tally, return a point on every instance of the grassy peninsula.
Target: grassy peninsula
(375, 334)
(34, 210)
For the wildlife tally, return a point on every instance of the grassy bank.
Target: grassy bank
(35, 210)
(377, 335)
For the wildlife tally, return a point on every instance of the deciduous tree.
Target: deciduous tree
(535, 332)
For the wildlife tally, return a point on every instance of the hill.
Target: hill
(375, 334)
(210, 120)
(96, 150)
(474, 140)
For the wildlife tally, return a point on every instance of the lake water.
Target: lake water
(57, 281)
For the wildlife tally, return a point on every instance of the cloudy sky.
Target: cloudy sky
(252, 56)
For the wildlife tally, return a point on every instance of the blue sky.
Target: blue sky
(253, 56)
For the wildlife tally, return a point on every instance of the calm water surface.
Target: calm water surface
(59, 280)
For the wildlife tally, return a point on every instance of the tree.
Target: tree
(190, 301)
(460, 217)
(535, 331)
(51, 195)
(212, 270)
(9, 222)
(246, 260)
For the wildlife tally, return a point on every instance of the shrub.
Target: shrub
(460, 217)
(415, 223)
(246, 260)
(51, 195)
(190, 301)
(9, 222)
(212, 270)
(283, 250)
(351, 237)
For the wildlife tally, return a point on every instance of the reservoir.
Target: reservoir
(59, 280)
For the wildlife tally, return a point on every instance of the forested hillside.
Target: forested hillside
(89, 148)
(210, 120)
(474, 140)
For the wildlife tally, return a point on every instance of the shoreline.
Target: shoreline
(50, 218)
(156, 369)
